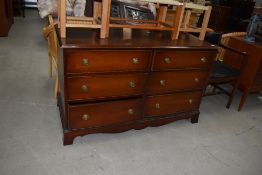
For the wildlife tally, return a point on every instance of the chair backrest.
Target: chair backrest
(224, 40)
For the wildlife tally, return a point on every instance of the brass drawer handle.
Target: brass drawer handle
(203, 59)
(84, 88)
(85, 117)
(135, 60)
(130, 111)
(196, 80)
(157, 106)
(162, 82)
(85, 61)
(190, 101)
(167, 60)
(132, 84)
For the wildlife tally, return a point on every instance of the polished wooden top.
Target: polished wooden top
(254, 44)
(140, 39)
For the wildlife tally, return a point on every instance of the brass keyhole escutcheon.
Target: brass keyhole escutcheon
(167, 60)
(132, 84)
(130, 111)
(157, 106)
(196, 80)
(85, 61)
(190, 101)
(135, 60)
(162, 82)
(85, 117)
(84, 88)
(203, 59)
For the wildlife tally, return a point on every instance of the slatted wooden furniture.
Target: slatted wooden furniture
(158, 24)
(194, 8)
(85, 22)
(114, 85)
(49, 33)
(106, 22)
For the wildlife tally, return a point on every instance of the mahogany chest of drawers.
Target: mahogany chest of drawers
(118, 84)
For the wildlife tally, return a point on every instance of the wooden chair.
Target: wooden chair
(50, 34)
(222, 73)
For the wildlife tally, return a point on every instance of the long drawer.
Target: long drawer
(173, 103)
(104, 114)
(160, 82)
(182, 59)
(79, 61)
(102, 86)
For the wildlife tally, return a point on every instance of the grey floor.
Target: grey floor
(223, 142)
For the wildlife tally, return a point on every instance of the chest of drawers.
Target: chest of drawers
(114, 85)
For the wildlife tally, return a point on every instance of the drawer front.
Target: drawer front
(182, 59)
(104, 114)
(80, 61)
(160, 82)
(169, 104)
(102, 86)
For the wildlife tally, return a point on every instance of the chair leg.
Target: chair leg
(50, 65)
(243, 99)
(56, 86)
(232, 94)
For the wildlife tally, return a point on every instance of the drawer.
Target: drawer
(160, 82)
(104, 114)
(102, 86)
(182, 59)
(169, 104)
(82, 61)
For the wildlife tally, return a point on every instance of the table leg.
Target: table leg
(243, 99)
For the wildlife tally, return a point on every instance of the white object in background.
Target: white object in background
(30, 3)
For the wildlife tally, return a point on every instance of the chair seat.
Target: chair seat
(221, 70)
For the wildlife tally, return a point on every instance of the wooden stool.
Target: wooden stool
(195, 8)
(157, 24)
(84, 22)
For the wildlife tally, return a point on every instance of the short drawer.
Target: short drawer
(82, 61)
(160, 82)
(102, 86)
(104, 114)
(173, 103)
(182, 59)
